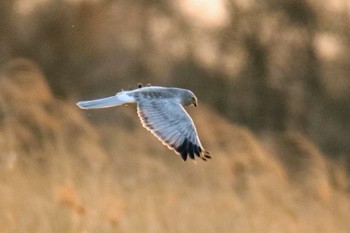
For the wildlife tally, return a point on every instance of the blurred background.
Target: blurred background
(272, 79)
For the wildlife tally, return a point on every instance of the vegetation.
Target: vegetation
(272, 81)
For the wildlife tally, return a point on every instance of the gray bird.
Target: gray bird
(161, 111)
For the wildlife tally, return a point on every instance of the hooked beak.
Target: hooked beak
(195, 104)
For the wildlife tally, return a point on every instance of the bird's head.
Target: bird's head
(189, 99)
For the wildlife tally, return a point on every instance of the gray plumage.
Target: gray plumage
(161, 111)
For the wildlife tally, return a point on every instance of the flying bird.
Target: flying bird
(161, 111)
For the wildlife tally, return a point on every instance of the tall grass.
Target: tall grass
(62, 173)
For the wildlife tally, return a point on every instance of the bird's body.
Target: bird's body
(161, 111)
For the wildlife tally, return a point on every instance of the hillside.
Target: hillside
(67, 170)
(271, 67)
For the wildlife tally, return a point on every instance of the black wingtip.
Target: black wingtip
(207, 155)
(183, 149)
(184, 156)
(189, 149)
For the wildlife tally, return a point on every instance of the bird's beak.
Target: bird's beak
(195, 104)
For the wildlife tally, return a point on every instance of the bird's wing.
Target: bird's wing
(171, 124)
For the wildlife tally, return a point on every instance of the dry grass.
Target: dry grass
(60, 173)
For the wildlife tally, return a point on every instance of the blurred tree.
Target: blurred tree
(5, 29)
(261, 68)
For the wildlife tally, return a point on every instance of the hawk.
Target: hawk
(161, 111)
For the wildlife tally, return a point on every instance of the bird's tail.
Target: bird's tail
(107, 102)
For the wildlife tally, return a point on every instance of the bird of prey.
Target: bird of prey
(161, 111)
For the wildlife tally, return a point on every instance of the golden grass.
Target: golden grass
(60, 173)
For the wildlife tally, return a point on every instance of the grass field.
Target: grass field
(64, 170)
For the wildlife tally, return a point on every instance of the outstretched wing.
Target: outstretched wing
(171, 124)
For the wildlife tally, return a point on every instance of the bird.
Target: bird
(161, 111)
